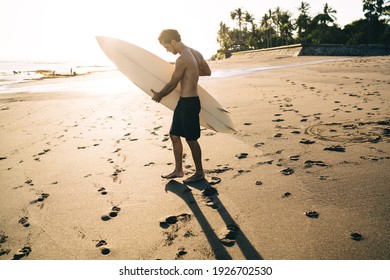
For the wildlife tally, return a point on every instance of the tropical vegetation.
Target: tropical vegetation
(277, 27)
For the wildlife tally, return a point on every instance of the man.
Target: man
(188, 67)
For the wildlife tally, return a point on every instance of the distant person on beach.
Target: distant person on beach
(188, 67)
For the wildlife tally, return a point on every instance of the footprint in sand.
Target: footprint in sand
(307, 141)
(24, 222)
(242, 155)
(312, 214)
(286, 194)
(42, 197)
(181, 252)
(215, 180)
(311, 163)
(287, 171)
(114, 212)
(296, 157)
(336, 148)
(209, 194)
(356, 236)
(165, 222)
(102, 191)
(24, 252)
(229, 235)
(103, 250)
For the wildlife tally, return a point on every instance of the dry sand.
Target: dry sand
(80, 173)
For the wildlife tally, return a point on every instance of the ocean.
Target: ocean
(38, 76)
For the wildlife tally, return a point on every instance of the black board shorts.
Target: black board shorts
(185, 121)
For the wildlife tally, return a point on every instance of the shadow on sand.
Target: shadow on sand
(185, 193)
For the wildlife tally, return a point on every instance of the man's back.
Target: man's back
(190, 78)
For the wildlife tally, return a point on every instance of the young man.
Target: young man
(188, 67)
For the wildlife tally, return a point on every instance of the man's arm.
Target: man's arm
(204, 69)
(177, 75)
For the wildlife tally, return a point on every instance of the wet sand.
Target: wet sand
(305, 176)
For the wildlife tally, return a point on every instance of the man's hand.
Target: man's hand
(156, 96)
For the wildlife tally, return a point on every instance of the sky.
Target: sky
(66, 29)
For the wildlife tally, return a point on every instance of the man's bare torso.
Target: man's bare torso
(190, 78)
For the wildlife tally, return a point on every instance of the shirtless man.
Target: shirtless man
(188, 67)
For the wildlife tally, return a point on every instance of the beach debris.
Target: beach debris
(3, 158)
(356, 236)
(286, 194)
(337, 148)
(307, 141)
(312, 214)
(247, 123)
(242, 155)
(215, 180)
(278, 135)
(259, 183)
(287, 171)
(24, 252)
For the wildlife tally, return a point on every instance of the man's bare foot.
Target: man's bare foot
(174, 174)
(194, 178)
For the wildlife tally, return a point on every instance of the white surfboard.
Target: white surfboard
(149, 71)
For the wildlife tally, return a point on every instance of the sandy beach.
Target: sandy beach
(306, 176)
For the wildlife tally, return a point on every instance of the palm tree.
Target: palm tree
(266, 25)
(286, 26)
(223, 37)
(328, 15)
(252, 38)
(237, 13)
(373, 11)
(303, 21)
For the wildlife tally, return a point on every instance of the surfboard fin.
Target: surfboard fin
(223, 110)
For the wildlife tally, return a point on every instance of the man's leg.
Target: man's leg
(178, 154)
(197, 157)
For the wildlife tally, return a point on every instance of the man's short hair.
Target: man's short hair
(167, 35)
